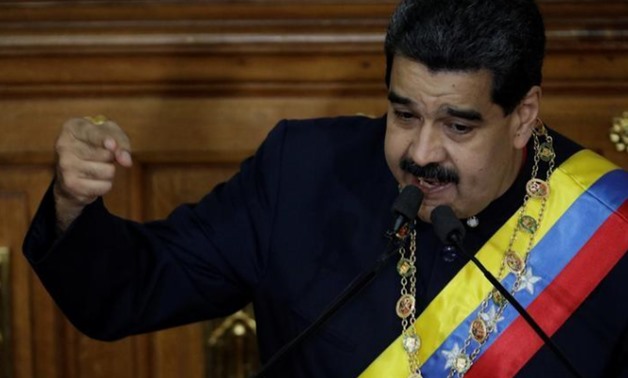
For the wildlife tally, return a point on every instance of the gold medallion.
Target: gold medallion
(498, 298)
(411, 343)
(514, 262)
(403, 232)
(479, 330)
(527, 223)
(405, 306)
(539, 128)
(537, 188)
(405, 268)
(462, 363)
(546, 152)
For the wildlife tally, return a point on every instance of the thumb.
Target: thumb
(122, 155)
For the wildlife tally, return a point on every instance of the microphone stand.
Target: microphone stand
(456, 238)
(348, 293)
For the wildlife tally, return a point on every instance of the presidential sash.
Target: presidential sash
(583, 235)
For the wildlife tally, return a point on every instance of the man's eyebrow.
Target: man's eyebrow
(397, 99)
(470, 115)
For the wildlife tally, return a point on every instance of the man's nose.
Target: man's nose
(427, 145)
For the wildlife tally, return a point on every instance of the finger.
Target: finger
(86, 180)
(105, 134)
(84, 190)
(123, 157)
(83, 131)
(117, 142)
(113, 131)
(69, 167)
(96, 171)
(109, 153)
(84, 151)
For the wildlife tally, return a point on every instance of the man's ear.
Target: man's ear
(525, 117)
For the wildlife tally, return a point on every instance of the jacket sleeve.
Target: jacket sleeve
(113, 277)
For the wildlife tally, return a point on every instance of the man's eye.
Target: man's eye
(459, 128)
(403, 115)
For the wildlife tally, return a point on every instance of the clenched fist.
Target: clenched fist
(88, 150)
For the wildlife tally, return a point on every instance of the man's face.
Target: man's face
(446, 136)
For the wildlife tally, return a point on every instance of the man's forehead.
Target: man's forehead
(414, 85)
(409, 70)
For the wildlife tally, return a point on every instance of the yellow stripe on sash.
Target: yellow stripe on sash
(464, 293)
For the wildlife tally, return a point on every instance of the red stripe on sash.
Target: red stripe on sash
(558, 301)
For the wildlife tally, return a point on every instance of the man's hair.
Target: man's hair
(505, 37)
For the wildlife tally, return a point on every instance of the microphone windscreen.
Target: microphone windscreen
(446, 225)
(408, 202)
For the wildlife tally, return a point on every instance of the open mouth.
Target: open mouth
(431, 178)
(430, 185)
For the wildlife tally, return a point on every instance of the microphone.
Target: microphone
(450, 230)
(447, 227)
(405, 207)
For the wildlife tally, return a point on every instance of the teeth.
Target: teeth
(429, 182)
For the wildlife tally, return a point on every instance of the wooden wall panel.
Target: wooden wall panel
(44, 344)
(197, 85)
(18, 197)
(169, 184)
(587, 119)
(17, 360)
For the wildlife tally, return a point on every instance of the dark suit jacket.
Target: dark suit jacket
(296, 225)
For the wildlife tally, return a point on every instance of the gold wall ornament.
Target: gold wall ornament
(619, 132)
(5, 307)
(231, 346)
(238, 324)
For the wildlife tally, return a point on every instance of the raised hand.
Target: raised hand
(88, 150)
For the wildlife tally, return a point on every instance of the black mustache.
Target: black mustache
(431, 171)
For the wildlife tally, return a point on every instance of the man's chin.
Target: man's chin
(425, 212)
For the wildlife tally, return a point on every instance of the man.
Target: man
(308, 212)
